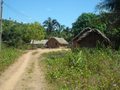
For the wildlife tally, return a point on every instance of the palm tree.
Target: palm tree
(110, 5)
(113, 11)
(51, 25)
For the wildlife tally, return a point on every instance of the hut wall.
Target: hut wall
(75, 44)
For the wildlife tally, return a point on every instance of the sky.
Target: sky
(65, 11)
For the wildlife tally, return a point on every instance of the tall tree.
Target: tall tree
(66, 33)
(110, 5)
(111, 16)
(86, 20)
(113, 9)
(51, 25)
(18, 34)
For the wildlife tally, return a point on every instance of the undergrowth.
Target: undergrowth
(8, 56)
(85, 69)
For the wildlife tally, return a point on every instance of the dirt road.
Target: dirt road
(26, 73)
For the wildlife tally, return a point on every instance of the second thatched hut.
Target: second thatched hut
(90, 38)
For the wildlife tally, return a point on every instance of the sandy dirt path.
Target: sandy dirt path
(26, 73)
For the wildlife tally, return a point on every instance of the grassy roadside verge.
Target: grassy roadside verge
(8, 56)
(86, 69)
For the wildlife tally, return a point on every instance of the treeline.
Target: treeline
(107, 21)
(54, 28)
(18, 34)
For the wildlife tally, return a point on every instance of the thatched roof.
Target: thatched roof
(84, 33)
(60, 40)
(34, 42)
(42, 42)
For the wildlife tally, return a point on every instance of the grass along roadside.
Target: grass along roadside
(7, 57)
(86, 69)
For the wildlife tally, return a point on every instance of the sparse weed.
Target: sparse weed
(7, 57)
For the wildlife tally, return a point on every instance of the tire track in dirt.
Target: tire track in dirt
(33, 78)
(26, 73)
(15, 76)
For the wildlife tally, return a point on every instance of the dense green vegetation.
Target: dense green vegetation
(85, 69)
(51, 25)
(110, 12)
(7, 57)
(87, 20)
(54, 29)
(19, 34)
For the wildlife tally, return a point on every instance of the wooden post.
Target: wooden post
(1, 10)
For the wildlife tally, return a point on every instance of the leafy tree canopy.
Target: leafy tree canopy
(87, 20)
(51, 25)
(112, 7)
(16, 34)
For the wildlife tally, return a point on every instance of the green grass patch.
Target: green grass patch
(7, 57)
(86, 69)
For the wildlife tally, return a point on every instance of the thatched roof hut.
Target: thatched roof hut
(90, 38)
(56, 42)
